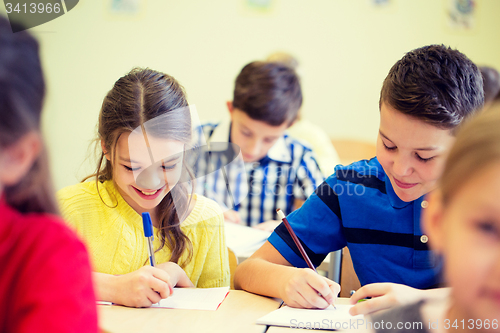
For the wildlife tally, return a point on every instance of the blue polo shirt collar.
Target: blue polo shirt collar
(395, 201)
(279, 152)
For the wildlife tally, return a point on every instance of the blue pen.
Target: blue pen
(148, 232)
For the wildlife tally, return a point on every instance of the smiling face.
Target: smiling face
(141, 183)
(467, 232)
(411, 152)
(254, 137)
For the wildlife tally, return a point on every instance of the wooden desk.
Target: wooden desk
(276, 329)
(237, 313)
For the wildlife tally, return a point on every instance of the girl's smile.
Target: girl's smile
(149, 194)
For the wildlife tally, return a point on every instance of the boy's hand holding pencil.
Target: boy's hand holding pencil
(309, 290)
(306, 288)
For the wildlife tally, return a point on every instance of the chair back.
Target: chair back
(353, 150)
(233, 263)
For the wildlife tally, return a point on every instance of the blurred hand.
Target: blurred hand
(268, 225)
(383, 296)
(307, 289)
(232, 216)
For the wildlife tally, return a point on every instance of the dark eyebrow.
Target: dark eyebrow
(176, 157)
(382, 134)
(425, 148)
(123, 159)
(267, 137)
(246, 128)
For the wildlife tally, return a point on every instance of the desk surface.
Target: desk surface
(239, 311)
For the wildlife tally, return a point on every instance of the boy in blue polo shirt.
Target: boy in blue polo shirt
(374, 206)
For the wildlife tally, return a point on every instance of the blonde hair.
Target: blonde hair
(477, 145)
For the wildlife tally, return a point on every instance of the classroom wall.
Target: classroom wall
(345, 49)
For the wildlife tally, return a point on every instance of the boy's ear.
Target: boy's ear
(106, 153)
(432, 220)
(16, 160)
(297, 118)
(229, 105)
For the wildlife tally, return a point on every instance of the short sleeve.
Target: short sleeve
(308, 176)
(317, 224)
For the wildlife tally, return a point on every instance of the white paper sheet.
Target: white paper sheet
(194, 298)
(327, 319)
(242, 239)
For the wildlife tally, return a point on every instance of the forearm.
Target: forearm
(437, 293)
(104, 286)
(262, 277)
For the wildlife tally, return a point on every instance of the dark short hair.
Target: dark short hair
(269, 92)
(436, 84)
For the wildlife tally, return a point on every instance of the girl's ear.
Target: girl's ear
(106, 153)
(433, 219)
(16, 160)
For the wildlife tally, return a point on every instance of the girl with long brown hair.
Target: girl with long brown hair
(144, 116)
(45, 279)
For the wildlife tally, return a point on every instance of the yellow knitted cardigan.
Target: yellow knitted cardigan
(114, 234)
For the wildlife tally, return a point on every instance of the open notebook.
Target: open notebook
(327, 319)
(194, 298)
(191, 299)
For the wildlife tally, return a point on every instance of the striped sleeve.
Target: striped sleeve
(317, 224)
(308, 175)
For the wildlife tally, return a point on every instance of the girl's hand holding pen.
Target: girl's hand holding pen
(143, 287)
(306, 289)
(148, 285)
